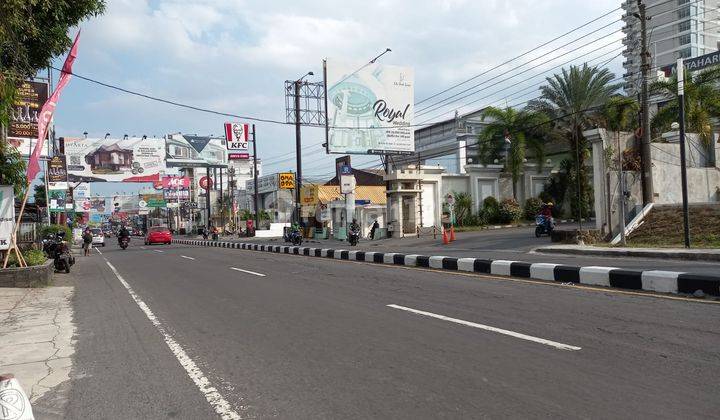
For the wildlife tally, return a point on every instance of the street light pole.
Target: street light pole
(298, 157)
(645, 151)
(255, 178)
(683, 170)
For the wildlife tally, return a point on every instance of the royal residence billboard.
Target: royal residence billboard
(23, 129)
(371, 110)
(122, 160)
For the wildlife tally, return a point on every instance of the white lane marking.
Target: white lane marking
(188, 258)
(157, 250)
(142, 247)
(98, 250)
(248, 271)
(521, 336)
(212, 395)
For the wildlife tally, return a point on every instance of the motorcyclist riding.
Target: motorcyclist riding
(546, 213)
(123, 233)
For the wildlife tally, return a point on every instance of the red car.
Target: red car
(158, 235)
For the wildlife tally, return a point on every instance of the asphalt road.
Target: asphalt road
(515, 244)
(287, 336)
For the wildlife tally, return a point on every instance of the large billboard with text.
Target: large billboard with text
(370, 110)
(127, 160)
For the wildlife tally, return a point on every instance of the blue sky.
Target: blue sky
(234, 55)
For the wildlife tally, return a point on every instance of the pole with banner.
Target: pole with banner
(683, 169)
(255, 178)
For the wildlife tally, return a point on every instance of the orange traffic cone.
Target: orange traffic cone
(452, 233)
(445, 237)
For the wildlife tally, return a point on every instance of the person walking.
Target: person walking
(375, 226)
(87, 241)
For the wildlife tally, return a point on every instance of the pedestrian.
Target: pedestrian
(375, 226)
(87, 241)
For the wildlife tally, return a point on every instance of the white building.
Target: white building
(676, 29)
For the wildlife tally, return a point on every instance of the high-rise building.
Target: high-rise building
(676, 29)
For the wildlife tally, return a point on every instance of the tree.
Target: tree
(32, 33)
(522, 129)
(572, 100)
(702, 103)
(39, 195)
(619, 114)
(462, 207)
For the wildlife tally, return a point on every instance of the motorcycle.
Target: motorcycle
(56, 247)
(124, 242)
(354, 237)
(294, 237)
(543, 225)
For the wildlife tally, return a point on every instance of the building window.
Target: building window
(684, 39)
(684, 12)
(685, 52)
(684, 26)
(681, 2)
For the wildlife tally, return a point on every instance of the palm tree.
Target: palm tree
(620, 114)
(702, 103)
(520, 130)
(571, 99)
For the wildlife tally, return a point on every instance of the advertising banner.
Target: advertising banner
(125, 203)
(57, 199)
(7, 215)
(155, 201)
(237, 140)
(286, 181)
(24, 115)
(57, 169)
(266, 184)
(127, 160)
(309, 195)
(92, 205)
(176, 187)
(371, 110)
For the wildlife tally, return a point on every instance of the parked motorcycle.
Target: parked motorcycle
(56, 247)
(543, 225)
(354, 237)
(124, 242)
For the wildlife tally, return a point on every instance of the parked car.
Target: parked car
(158, 235)
(98, 237)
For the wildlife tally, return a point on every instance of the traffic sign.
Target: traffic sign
(205, 183)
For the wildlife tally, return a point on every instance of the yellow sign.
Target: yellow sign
(286, 181)
(309, 195)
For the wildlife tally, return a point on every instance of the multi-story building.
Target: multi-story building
(676, 29)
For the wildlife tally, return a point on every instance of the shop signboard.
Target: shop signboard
(237, 140)
(370, 111)
(286, 181)
(57, 169)
(23, 128)
(7, 215)
(131, 159)
(176, 187)
(155, 201)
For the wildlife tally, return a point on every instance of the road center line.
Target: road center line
(521, 336)
(248, 271)
(188, 258)
(212, 395)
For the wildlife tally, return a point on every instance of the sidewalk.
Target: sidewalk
(36, 339)
(700, 254)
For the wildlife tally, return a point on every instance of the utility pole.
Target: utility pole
(683, 170)
(255, 178)
(207, 198)
(222, 202)
(298, 176)
(645, 152)
(621, 192)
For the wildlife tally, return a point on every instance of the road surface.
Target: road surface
(189, 332)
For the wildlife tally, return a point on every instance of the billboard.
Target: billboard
(286, 181)
(371, 110)
(7, 215)
(155, 201)
(29, 99)
(126, 160)
(176, 187)
(92, 205)
(237, 140)
(57, 169)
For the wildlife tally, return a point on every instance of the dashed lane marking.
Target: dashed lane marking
(521, 336)
(248, 271)
(187, 258)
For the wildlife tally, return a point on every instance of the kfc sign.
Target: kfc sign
(237, 140)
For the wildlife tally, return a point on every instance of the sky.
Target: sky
(233, 56)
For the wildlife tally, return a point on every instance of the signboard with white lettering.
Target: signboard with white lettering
(7, 215)
(695, 63)
(370, 111)
(237, 140)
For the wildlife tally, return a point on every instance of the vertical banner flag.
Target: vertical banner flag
(48, 109)
(237, 140)
(7, 215)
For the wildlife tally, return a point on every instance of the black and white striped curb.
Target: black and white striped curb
(651, 280)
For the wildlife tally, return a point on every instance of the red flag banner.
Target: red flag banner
(48, 110)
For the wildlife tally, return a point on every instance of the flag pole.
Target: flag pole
(13, 244)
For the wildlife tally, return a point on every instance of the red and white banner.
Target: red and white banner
(237, 140)
(169, 182)
(48, 110)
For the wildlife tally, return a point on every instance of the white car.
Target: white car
(98, 237)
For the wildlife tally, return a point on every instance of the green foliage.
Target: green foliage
(12, 168)
(39, 195)
(32, 257)
(490, 210)
(532, 208)
(47, 230)
(509, 211)
(620, 114)
(702, 103)
(463, 207)
(524, 129)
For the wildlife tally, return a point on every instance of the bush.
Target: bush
(32, 257)
(532, 208)
(53, 229)
(509, 211)
(472, 220)
(490, 210)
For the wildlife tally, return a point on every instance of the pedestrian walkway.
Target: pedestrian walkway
(699, 254)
